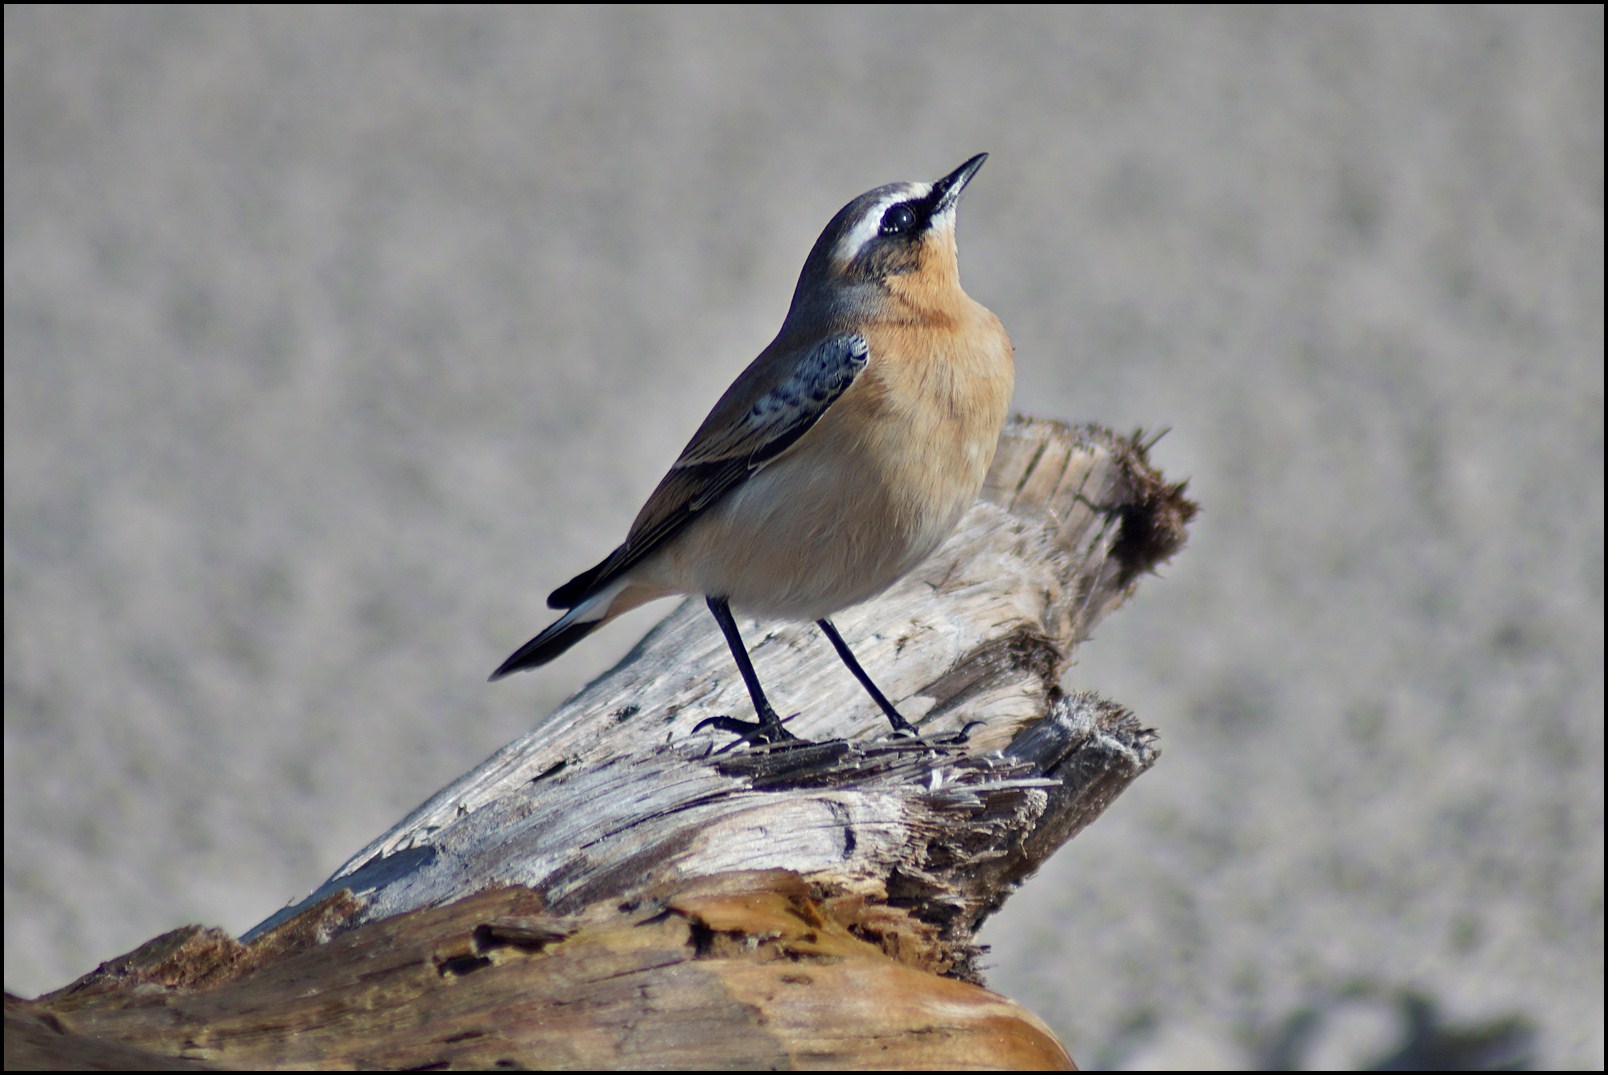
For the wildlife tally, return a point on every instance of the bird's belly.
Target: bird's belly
(807, 536)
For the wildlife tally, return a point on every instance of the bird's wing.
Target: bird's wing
(732, 443)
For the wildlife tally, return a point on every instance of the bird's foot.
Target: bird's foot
(910, 733)
(767, 731)
(901, 728)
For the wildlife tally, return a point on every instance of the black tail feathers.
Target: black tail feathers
(547, 645)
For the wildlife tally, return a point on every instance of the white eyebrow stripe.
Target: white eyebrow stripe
(865, 229)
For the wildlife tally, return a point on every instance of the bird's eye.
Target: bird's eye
(898, 218)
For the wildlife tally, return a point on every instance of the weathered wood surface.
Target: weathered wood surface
(744, 970)
(614, 790)
(729, 869)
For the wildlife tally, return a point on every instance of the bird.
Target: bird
(837, 461)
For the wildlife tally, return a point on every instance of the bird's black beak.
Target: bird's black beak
(946, 192)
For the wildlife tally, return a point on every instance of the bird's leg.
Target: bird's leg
(900, 725)
(769, 727)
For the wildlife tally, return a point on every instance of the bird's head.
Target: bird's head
(896, 239)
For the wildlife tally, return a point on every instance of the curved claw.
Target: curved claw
(964, 735)
(960, 738)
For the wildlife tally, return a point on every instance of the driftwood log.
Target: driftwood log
(612, 890)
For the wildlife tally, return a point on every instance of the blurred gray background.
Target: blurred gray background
(334, 339)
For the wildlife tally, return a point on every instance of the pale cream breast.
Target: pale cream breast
(865, 495)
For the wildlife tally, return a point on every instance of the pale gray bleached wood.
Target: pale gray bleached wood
(613, 794)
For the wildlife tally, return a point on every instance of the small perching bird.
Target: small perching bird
(837, 461)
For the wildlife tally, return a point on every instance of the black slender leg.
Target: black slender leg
(769, 728)
(842, 647)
